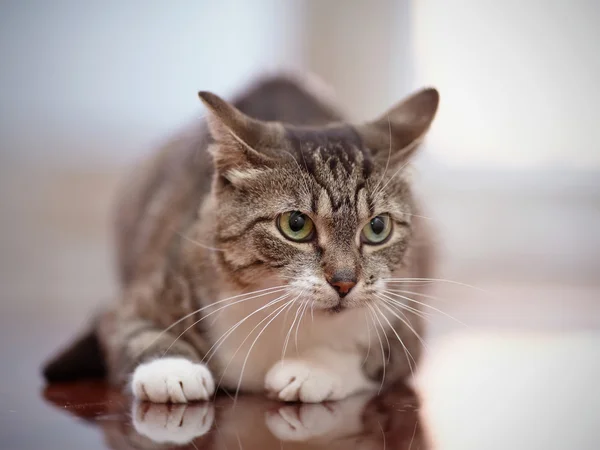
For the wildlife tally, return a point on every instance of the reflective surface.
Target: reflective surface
(361, 422)
(485, 389)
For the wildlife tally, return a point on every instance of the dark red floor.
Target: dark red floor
(251, 422)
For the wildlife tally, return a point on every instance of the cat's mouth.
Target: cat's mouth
(343, 305)
(336, 309)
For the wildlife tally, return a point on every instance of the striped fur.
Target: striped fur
(196, 224)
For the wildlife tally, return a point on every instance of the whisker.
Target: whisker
(380, 344)
(420, 216)
(298, 326)
(272, 314)
(239, 139)
(306, 188)
(305, 165)
(406, 351)
(207, 315)
(198, 244)
(395, 293)
(262, 291)
(415, 311)
(383, 435)
(238, 324)
(420, 294)
(405, 321)
(401, 168)
(279, 308)
(409, 283)
(265, 291)
(285, 317)
(376, 197)
(254, 342)
(375, 190)
(239, 441)
(378, 192)
(289, 333)
(433, 280)
(413, 434)
(386, 337)
(368, 338)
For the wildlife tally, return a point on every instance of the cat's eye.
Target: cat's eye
(377, 231)
(296, 226)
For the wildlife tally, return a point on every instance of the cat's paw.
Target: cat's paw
(303, 422)
(297, 380)
(178, 424)
(174, 380)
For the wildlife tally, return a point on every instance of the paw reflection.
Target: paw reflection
(174, 423)
(302, 422)
(389, 420)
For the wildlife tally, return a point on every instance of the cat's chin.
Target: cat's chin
(336, 309)
(340, 307)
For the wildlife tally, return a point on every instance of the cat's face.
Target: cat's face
(327, 211)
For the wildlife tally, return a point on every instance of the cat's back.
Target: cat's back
(161, 197)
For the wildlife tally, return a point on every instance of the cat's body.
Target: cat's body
(202, 222)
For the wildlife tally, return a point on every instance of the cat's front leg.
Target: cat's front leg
(317, 376)
(136, 349)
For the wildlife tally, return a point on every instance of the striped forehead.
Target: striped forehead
(329, 148)
(336, 160)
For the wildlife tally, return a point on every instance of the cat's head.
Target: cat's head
(327, 211)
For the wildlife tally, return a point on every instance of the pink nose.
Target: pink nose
(343, 287)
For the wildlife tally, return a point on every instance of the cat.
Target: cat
(262, 251)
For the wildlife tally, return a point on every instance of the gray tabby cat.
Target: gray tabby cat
(256, 253)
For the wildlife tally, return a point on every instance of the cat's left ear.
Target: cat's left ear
(398, 133)
(238, 137)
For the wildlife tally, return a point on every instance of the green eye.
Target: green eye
(296, 226)
(377, 231)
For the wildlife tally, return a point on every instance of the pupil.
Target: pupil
(297, 221)
(377, 225)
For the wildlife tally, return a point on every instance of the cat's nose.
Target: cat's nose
(343, 287)
(342, 282)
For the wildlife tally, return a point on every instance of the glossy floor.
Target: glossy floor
(520, 370)
(251, 422)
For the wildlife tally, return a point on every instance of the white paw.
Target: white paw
(303, 422)
(295, 380)
(174, 380)
(179, 424)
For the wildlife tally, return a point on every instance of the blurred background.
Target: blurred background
(510, 173)
(510, 169)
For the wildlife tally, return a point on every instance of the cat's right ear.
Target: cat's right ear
(396, 135)
(237, 137)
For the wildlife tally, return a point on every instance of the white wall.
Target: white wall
(362, 49)
(520, 80)
(96, 81)
(91, 82)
